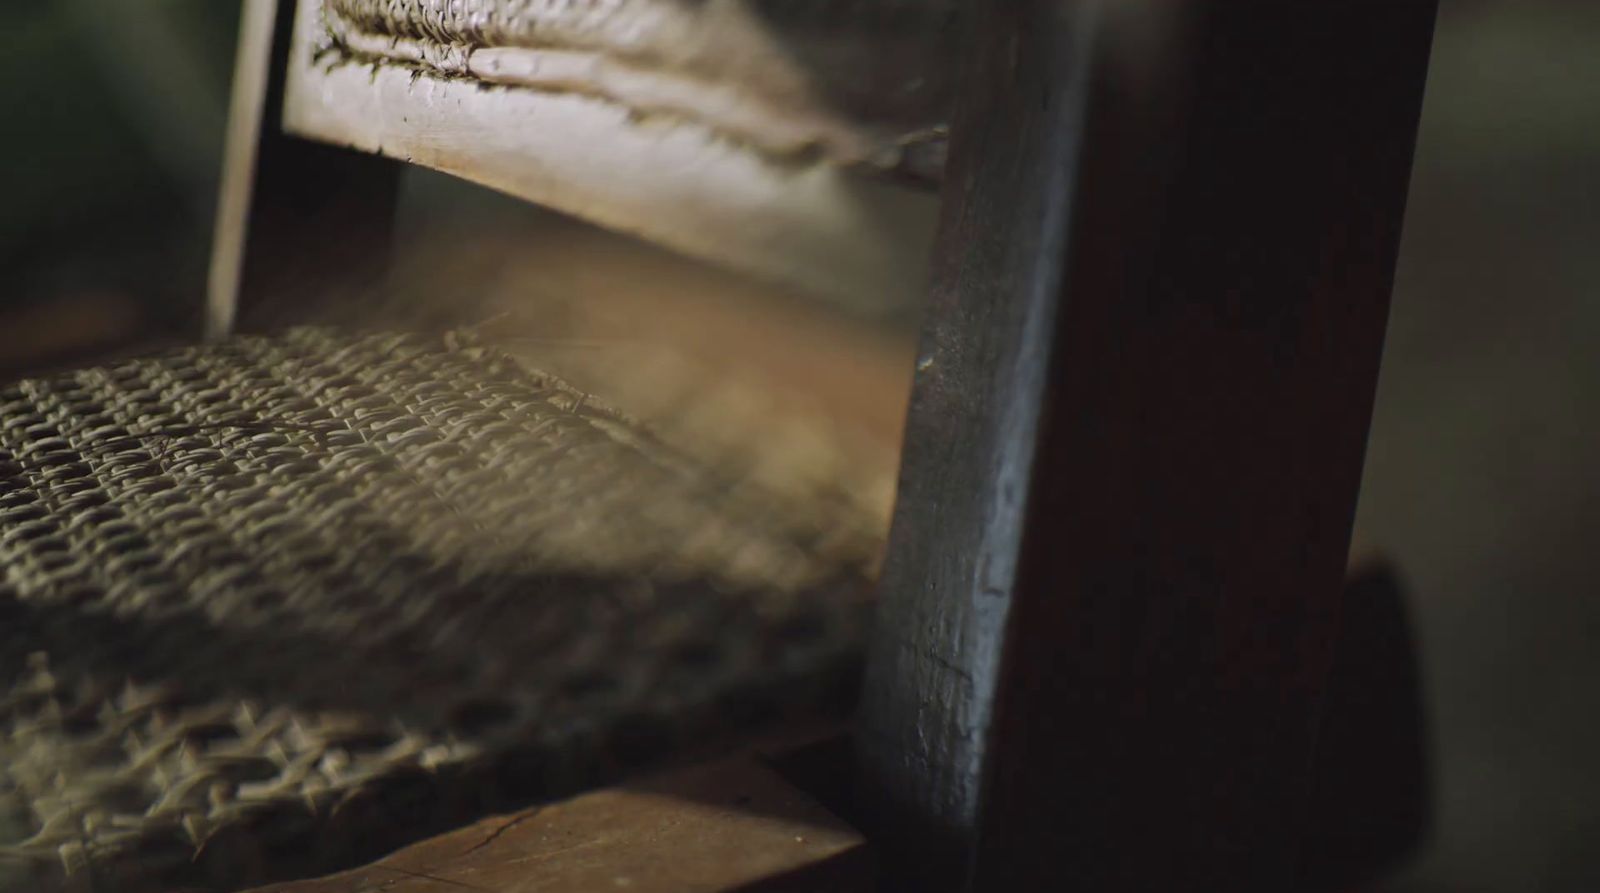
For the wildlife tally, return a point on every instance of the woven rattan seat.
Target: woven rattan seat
(276, 605)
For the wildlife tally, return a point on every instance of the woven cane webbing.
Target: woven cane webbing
(275, 606)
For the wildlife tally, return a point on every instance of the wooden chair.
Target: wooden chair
(1111, 607)
(1111, 601)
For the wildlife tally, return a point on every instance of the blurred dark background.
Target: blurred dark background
(113, 115)
(1481, 476)
(1481, 479)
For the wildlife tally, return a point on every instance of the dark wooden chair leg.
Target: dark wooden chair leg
(298, 223)
(1370, 806)
(1112, 596)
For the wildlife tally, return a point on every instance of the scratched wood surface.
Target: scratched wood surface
(1369, 807)
(718, 828)
(1111, 601)
(297, 221)
(806, 223)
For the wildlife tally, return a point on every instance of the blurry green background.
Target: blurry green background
(1482, 477)
(112, 113)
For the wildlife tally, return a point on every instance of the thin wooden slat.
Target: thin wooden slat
(298, 224)
(252, 61)
(811, 225)
(1135, 441)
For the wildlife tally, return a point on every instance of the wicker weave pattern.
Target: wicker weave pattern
(277, 605)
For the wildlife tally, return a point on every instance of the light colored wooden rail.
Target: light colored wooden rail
(809, 223)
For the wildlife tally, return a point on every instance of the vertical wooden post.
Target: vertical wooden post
(296, 221)
(1136, 439)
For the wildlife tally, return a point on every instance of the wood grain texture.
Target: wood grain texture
(730, 826)
(1135, 441)
(808, 224)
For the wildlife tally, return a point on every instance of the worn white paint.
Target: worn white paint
(814, 226)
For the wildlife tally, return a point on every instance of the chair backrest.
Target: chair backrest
(799, 144)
